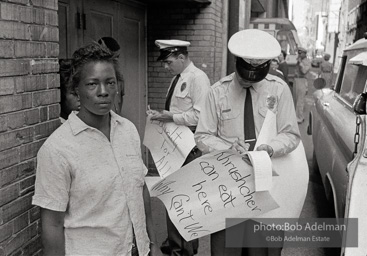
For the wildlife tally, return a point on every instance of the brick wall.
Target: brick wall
(199, 24)
(29, 111)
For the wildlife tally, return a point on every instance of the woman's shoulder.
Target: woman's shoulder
(59, 139)
(123, 121)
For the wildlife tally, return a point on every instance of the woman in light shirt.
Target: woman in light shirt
(90, 175)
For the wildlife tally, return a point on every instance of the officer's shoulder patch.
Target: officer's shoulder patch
(223, 82)
(227, 78)
(276, 79)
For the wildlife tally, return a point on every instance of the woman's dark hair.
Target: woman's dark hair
(92, 52)
(64, 70)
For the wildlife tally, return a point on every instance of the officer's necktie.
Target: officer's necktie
(250, 135)
(170, 93)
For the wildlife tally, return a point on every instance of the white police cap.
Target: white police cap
(254, 44)
(167, 47)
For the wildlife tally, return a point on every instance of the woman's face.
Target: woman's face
(97, 88)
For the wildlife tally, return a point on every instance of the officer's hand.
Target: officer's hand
(240, 146)
(246, 158)
(266, 148)
(164, 116)
(152, 112)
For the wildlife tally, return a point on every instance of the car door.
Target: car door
(355, 208)
(331, 144)
(335, 129)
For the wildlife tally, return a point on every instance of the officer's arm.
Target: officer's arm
(206, 132)
(288, 136)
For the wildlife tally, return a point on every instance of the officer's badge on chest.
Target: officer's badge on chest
(183, 86)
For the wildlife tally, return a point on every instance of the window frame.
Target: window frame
(355, 86)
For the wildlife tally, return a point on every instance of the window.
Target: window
(354, 80)
(287, 42)
(338, 81)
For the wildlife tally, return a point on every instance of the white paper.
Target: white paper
(169, 145)
(261, 163)
(268, 130)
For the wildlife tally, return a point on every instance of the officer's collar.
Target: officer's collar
(254, 86)
(187, 69)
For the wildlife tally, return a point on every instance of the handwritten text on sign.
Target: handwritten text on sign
(201, 195)
(169, 145)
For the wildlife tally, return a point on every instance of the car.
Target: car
(337, 123)
(315, 62)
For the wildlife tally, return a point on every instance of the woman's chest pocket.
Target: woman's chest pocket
(92, 176)
(133, 166)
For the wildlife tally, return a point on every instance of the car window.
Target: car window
(354, 80)
(338, 81)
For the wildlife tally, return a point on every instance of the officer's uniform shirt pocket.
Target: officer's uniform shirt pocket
(181, 102)
(229, 116)
(262, 111)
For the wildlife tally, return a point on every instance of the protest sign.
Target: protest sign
(219, 185)
(169, 144)
(200, 195)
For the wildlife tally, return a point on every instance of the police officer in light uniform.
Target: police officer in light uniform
(302, 68)
(326, 69)
(235, 111)
(186, 95)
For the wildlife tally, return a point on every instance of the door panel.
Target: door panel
(100, 20)
(69, 34)
(334, 143)
(102, 25)
(131, 34)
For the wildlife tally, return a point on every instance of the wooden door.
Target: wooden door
(100, 19)
(70, 33)
(131, 34)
